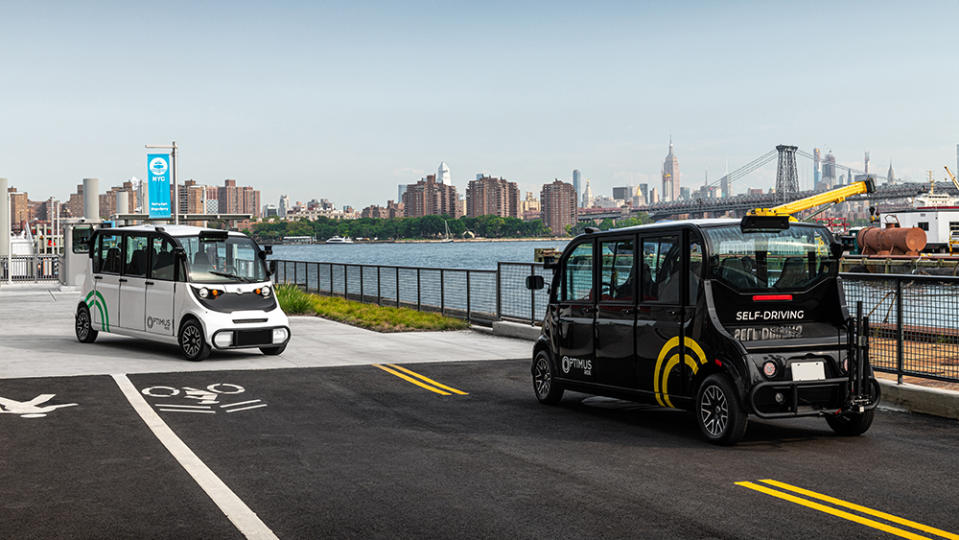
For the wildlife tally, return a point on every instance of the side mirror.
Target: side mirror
(535, 283)
(550, 262)
(836, 248)
(271, 267)
(261, 255)
(179, 253)
(268, 250)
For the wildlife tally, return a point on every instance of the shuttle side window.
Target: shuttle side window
(660, 269)
(695, 269)
(135, 258)
(616, 275)
(108, 259)
(578, 274)
(163, 259)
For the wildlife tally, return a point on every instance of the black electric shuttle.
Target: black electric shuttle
(725, 318)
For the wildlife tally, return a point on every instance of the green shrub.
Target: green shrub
(293, 300)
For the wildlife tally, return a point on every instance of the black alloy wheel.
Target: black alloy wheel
(851, 424)
(720, 417)
(192, 344)
(83, 326)
(546, 389)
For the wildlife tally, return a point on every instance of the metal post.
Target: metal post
(899, 331)
(397, 286)
(331, 279)
(499, 296)
(467, 296)
(296, 282)
(346, 282)
(379, 300)
(361, 283)
(176, 189)
(442, 293)
(532, 298)
(418, 299)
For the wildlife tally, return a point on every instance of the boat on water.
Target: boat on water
(339, 240)
(447, 239)
(935, 212)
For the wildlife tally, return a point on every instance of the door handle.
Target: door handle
(122, 280)
(97, 277)
(149, 283)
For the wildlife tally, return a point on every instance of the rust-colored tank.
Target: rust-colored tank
(891, 241)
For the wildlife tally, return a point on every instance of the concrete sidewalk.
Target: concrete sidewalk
(38, 341)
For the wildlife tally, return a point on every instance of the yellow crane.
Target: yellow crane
(833, 196)
(951, 176)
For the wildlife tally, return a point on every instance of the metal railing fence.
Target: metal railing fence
(29, 268)
(914, 320)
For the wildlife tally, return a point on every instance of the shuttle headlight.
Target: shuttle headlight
(208, 294)
(204, 292)
(223, 339)
(280, 335)
(769, 369)
(265, 292)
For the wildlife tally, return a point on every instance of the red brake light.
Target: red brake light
(772, 297)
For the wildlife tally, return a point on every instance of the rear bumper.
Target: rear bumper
(809, 398)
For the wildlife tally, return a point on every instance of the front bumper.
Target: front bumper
(248, 338)
(810, 398)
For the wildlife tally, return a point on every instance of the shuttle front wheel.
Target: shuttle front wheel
(192, 344)
(546, 389)
(720, 416)
(850, 424)
(83, 327)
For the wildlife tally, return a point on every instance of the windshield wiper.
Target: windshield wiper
(227, 274)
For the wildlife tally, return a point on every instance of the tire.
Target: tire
(720, 416)
(850, 424)
(273, 351)
(192, 343)
(546, 389)
(83, 325)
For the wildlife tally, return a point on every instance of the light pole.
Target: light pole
(176, 189)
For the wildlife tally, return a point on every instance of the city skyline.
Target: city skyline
(343, 101)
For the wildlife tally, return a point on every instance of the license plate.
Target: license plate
(808, 371)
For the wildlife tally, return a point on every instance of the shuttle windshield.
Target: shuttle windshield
(230, 260)
(793, 258)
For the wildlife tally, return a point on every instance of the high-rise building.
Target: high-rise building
(238, 200)
(530, 203)
(492, 196)
(671, 178)
(558, 204)
(866, 162)
(624, 193)
(577, 176)
(400, 190)
(19, 209)
(643, 190)
(284, 206)
(443, 174)
(587, 201)
(816, 172)
(829, 171)
(429, 198)
(890, 176)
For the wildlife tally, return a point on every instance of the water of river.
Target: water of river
(472, 255)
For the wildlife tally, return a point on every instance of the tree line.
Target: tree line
(426, 227)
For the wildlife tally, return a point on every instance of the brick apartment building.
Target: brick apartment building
(558, 204)
(430, 198)
(492, 196)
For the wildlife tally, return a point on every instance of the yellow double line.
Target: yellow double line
(420, 380)
(847, 515)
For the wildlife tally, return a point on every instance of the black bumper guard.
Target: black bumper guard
(859, 390)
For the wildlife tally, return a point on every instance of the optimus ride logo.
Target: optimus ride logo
(577, 363)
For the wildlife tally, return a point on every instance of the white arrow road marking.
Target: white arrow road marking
(31, 408)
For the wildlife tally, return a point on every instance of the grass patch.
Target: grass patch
(371, 316)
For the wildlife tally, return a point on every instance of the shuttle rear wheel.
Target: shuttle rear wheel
(546, 389)
(84, 327)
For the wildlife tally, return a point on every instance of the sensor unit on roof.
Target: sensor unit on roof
(764, 223)
(591, 230)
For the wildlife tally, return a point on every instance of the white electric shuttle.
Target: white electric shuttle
(201, 289)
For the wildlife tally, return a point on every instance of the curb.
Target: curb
(516, 330)
(920, 399)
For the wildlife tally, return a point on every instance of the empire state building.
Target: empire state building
(671, 175)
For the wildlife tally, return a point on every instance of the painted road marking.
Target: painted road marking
(420, 380)
(846, 515)
(245, 520)
(31, 408)
(428, 380)
(204, 398)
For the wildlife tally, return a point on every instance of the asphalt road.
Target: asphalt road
(361, 452)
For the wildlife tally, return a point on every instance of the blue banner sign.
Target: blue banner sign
(158, 172)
